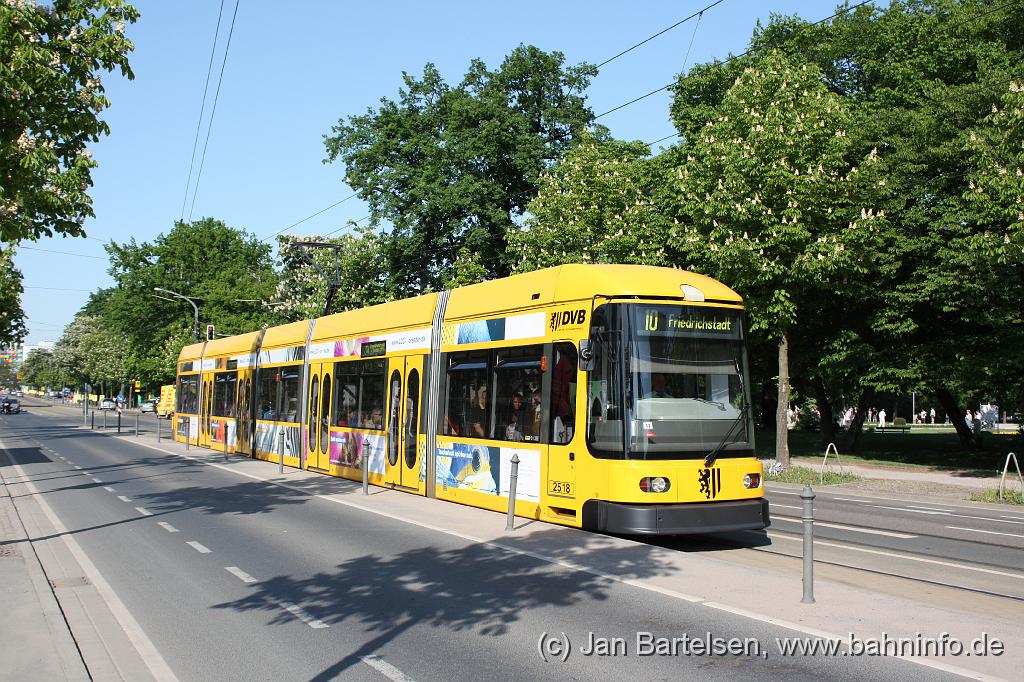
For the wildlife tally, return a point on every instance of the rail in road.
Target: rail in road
(234, 577)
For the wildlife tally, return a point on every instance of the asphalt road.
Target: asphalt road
(238, 579)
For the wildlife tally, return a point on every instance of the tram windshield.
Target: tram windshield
(668, 382)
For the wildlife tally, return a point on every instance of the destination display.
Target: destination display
(686, 321)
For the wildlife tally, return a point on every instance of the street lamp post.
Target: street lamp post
(195, 308)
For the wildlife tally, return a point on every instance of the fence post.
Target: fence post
(280, 456)
(513, 477)
(808, 518)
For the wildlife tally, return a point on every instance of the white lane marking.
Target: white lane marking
(786, 506)
(990, 532)
(927, 662)
(77, 467)
(167, 527)
(108, 489)
(942, 513)
(147, 651)
(783, 492)
(869, 531)
(143, 511)
(303, 615)
(124, 499)
(96, 480)
(240, 574)
(796, 627)
(848, 499)
(386, 669)
(198, 547)
(896, 555)
(914, 506)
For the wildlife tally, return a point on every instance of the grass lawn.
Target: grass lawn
(1009, 496)
(802, 475)
(924, 448)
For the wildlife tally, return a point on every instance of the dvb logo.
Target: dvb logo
(567, 318)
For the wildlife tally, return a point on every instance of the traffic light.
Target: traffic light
(209, 332)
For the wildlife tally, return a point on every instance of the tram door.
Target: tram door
(318, 417)
(243, 437)
(405, 381)
(206, 410)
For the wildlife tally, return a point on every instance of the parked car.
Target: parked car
(107, 404)
(148, 406)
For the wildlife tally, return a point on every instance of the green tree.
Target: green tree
(12, 317)
(453, 167)
(227, 271)
(358, 266)
(39, 370)
(596, 206)
(52, 58)
(772, 205)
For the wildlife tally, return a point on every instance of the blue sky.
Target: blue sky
(295, 69)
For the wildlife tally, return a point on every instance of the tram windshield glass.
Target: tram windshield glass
(668, 382)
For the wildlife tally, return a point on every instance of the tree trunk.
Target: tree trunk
(828, 431)
(849, 444)
(952, 408)
(781, 427)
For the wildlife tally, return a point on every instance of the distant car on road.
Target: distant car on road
(10, 406)
(148, 406)
(107, 404)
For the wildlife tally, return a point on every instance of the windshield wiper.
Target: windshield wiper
(713, 455)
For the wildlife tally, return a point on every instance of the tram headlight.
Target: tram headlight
(752, 481)
(655, 484)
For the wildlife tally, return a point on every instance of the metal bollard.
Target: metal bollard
(188, 428)
(158, 420)
(93, 425)
(280, 456)
(807, 495)
(136, 426)
(513, 476)
(119, 422)
(104, 420)
(225, 441)
(365, 465)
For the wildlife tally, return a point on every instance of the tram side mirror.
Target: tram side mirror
(586, 355)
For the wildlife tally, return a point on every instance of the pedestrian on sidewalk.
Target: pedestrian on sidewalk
(881, 418)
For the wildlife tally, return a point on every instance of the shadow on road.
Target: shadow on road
(475, 587)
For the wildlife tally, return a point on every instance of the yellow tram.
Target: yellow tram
(622, 389)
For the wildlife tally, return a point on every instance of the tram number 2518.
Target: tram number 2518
(560, 488)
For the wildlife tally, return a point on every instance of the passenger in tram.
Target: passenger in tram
(478, 421)
(376, 419)
(514, 418)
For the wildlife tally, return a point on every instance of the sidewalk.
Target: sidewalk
(761, 588)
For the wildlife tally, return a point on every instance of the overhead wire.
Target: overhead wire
(323, 210)
(697, 14)
(213, 109)
(202, 109)
(63, 253)
(730, 59)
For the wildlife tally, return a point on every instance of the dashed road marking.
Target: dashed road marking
(198, 547)
(303, 615)
(167, 527)
(108, 489)
(124, 499)
(240, 574)
(386, 669)
(990, 532)
(96, 480)
(143, 511)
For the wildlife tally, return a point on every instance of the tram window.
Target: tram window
(225, 388)
(520, 410)
(325, 414)
(267, 397)
(563, 394)
(187, 394)
(290, 381)
(469, 405)
(359, 394)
